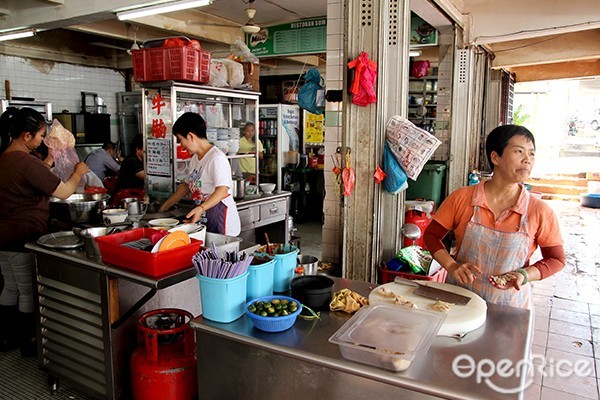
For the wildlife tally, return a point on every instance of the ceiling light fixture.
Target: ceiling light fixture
(414, 53)
(250, 28)
(161, 9)
(20, 34)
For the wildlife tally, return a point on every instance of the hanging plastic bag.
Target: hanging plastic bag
(419, 69)
(396, 179)
(365, 76)
(62, 143)
(308, 96)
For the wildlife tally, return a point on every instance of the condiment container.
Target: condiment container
(388, 336)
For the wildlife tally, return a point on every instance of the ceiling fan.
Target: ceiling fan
(134, 46)
(250, 27)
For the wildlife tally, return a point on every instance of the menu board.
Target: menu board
(307, 36)
(158, 157)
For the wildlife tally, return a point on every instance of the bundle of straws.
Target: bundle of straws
(208, 263)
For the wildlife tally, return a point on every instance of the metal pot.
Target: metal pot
(78, 208)
(239, 188)
(89, 240)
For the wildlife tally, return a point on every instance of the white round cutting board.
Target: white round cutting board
(459, 319)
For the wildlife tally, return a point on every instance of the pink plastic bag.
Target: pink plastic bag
(62, 143)
(419, 69)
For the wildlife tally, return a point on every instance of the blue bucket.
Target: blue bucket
(285, 264)
(223, 300)
(260, 280)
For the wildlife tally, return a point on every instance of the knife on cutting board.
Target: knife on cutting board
(434, 293)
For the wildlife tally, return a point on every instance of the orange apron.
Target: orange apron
(496, 252)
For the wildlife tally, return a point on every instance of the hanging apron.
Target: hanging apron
(496, 252)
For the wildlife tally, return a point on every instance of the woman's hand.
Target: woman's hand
(194, 215)
(81, 168)
(464, 273)
(507, 281)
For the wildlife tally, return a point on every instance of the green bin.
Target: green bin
(429, 184)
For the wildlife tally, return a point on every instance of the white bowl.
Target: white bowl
(222, 145)
(267, 188)
(234, 146)
(114, 215)
(163, 222)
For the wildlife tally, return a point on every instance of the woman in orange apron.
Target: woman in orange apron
(498, 225)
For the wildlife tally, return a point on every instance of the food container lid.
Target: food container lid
(390, 328)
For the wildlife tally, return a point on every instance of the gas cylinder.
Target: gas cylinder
(419, 218)
(163, 366)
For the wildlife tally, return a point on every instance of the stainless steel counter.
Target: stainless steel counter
(87, 312)
(260, 198)
(237, 361)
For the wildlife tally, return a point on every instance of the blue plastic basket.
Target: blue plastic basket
(273, 324)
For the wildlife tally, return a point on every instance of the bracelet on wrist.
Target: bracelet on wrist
(523, 272)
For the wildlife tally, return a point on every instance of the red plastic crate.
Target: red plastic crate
(388, 276)
(152, 264)
(171, 63)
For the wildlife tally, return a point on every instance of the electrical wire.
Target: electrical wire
(537, 30)
(530, 44)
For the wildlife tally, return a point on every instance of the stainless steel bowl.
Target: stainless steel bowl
(89, 240)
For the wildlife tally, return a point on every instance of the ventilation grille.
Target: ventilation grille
(393, 33)
(366, 18)
(462, 65)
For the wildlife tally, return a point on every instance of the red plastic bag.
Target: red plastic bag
(365, 76)
(419, 69)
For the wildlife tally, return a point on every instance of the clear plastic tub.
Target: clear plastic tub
(388, 336)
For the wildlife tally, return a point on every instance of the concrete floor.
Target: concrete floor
(310, 234)
(567, 319)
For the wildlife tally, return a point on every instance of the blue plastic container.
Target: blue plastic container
(223, 300)
(285, 264)
(260, 280)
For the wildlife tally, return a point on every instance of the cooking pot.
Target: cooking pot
(89, 239)
(78, 208)
(239, 188)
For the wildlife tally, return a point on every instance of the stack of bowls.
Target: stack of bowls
(211, 134)
(222, 145)
(222, 133)
(234, 146)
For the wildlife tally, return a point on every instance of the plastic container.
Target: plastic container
(429, 184)
(285, 264)
(224, 243)
(388, 275)
(590, 200)
(313, 291)
(260, 280)
(273, 324)
(172, 63)
(388, 336)
(223, 299)
(152, 264)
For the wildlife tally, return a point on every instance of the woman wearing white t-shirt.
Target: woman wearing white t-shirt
(209, 180)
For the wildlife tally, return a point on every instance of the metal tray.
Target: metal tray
(61, 240)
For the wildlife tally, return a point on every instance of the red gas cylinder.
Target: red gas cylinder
(164, 364)
(419, 218)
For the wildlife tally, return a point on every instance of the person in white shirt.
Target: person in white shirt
(209, 181)
(102, 160)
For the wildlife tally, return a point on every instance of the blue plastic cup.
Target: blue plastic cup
(260, 280)
(223, 300)
(285, 264)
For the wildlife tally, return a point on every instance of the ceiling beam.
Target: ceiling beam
(550, 49)
(564, 70)
(54, 2)
(197, 25)
(315, 61)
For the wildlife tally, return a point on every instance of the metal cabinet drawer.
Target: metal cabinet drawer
(273, 210)
(248, 217)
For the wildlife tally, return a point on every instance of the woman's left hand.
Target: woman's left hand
(195, 215)
(507, 281)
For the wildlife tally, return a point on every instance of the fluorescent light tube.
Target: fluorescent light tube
(17, 34)
(161, 9)
(414, 53)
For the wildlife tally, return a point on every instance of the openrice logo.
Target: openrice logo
(485, 370)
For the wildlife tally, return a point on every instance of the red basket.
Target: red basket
(171, 63)
(388, 276)
(152, 264)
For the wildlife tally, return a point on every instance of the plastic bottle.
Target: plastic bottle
(473, 178)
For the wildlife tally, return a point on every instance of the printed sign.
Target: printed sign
(158, 157)
(301, 37)
(314, 129)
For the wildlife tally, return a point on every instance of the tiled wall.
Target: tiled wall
(333, 129)
(61, 84)
(444, 99)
